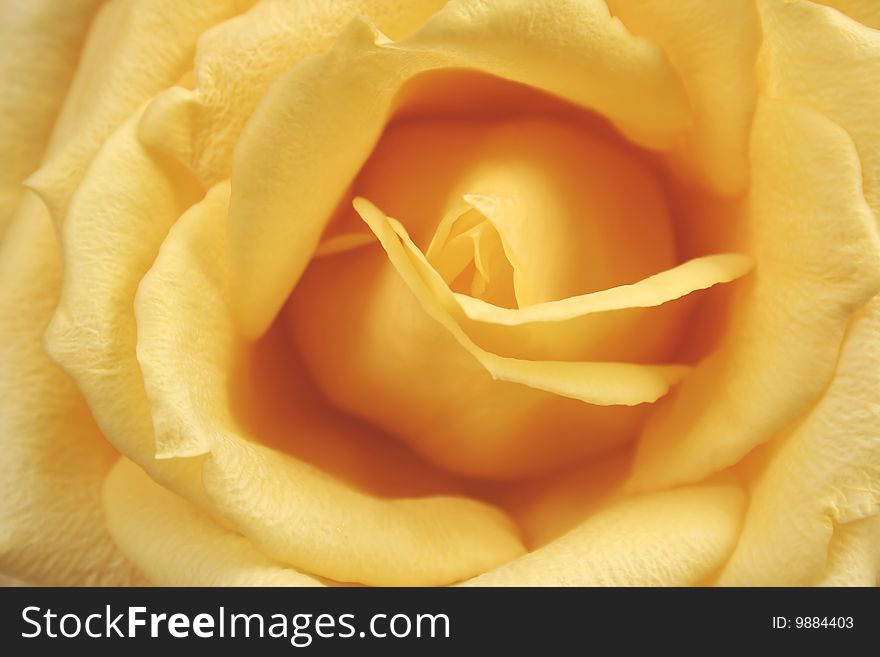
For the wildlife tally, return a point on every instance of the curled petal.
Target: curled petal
(833, 72)
(713, 45)
(52, 526)
(819, 478)
(817, 258)
(573, 49)
(134, 50)
(594, 383)
(291, 510)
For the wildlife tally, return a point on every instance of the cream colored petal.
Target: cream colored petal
(134, 50)
(866, 12)
(821, 477)
(594, 383)
(854, 554)
(54, 459)
(817, 258)
(175, 544)
(672, 538)
(39, 48)
(570, 49)
(201, 126)
(713, 45)
(291, 510)
(117, 220)
(696, 274)
(817, 57)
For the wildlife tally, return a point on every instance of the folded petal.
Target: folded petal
(713, 45)
(819, 478)
(602, 384)
(291, 510)
(820, 58)
(175, 544)
(853, 557)
(201, 126)
(866, 12)
(817, 260)
(134, 50)
(52, 526)
(382, 347)
(117, 220)
(672, 538)
(40, 47)
(574, 50)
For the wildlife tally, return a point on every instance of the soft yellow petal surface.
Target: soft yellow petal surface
(822, 476)
(369, 329)
(39, 48)
(117, 220)
(175, 544)
(817, 57)
(866, 12)
(134, 50)
(817, 258)
(603, 384)
(201, 126)
(672, 538)
(291, 510)
(713, 45)
(54, 459)
(853, 557)
(570, 49)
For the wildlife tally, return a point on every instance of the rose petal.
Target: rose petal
(817, 257)
(201, 126)
(866, 12)
(853, 557)
(834, 72)
(54, 460)
(822, 476)
(713, 45)
(134, 50)
(174, 544)
(93, 333)
(370, 330)
(672, 538)
(40, 41)
(603, 384)
(291, 510)
(573, 49)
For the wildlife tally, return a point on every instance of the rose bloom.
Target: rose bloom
(508, 292)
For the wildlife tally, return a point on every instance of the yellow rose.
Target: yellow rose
(509, 292)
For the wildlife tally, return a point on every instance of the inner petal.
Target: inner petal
(469, 254)
(574, 212)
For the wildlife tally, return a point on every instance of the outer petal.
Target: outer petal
(175, 544)
(40, 47)
(134, 50)
(674, 538)
(713, 45)
(570, 49)
(817, 57)
(54, 460)
(853, 554)
(604, 384)
(291, 510)
(866, 12)
(817, 256)
(117, 220)
(820, 478)
(201, 126)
